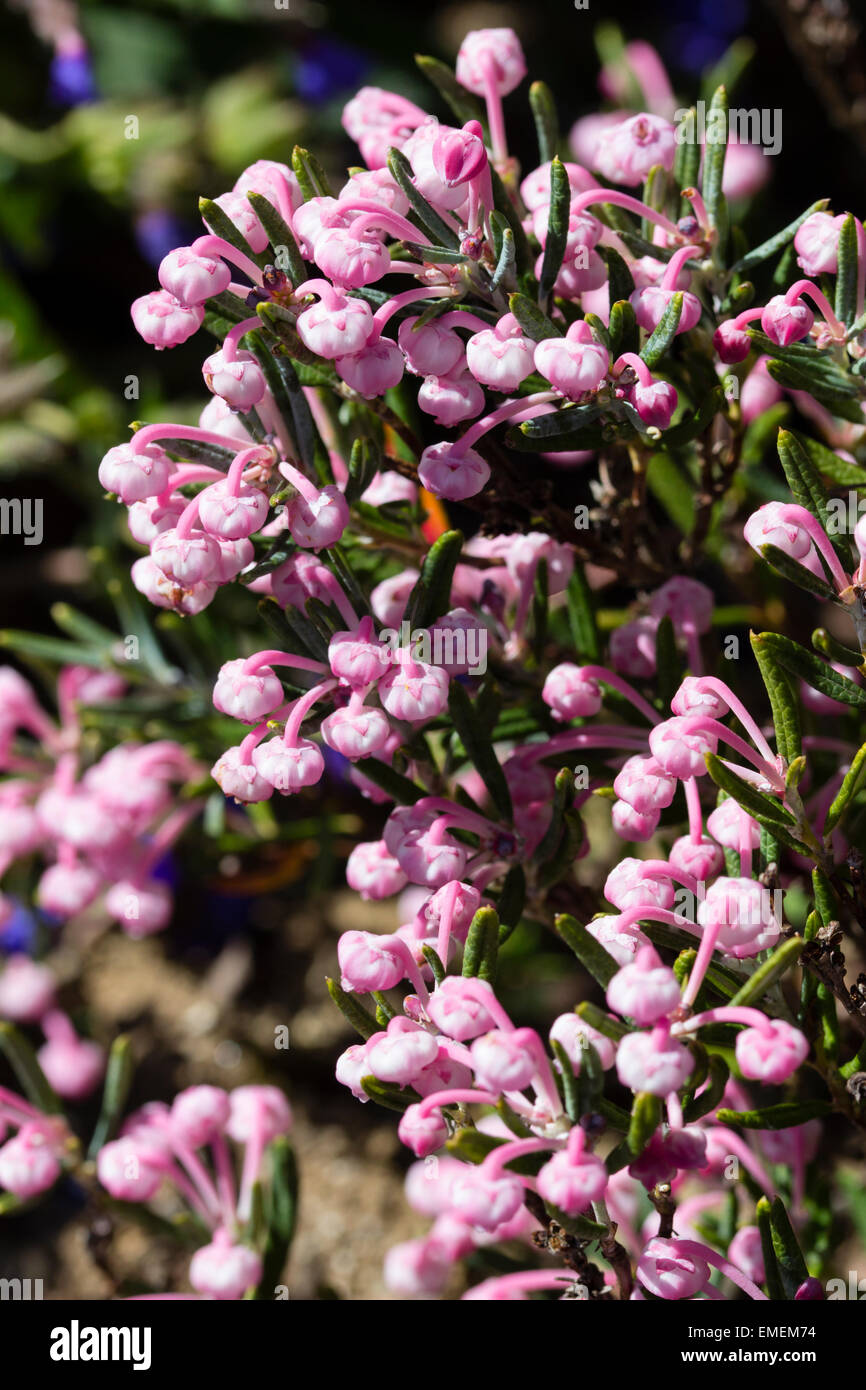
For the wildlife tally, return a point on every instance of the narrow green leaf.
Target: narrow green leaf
(222, 226)
(623, 331)
(591, 954)
(825, 643)
(464, 105)
(435, 964)
(789, 1256)
(772, 1276)
(281, 1215)
(768, 249)
(364, 463)
(557, 228)
(390, 1097)
(439, 232)
(581, 616)
(664, 333)
(796, 573)
(690, 427)
(783, 1116)
(355, 1013)
(506, 262)
(757, 803)
(387, 779)
(769, 971)
(568, 1080)
(31, 1078)
(534, 323)
(546, 121)
(476, 741)
(118, 1079)
(602, 1022)
(715, 149)
(279, 234)
(709, 1098)
(646, 1116)
(481, 951)
(687, 156)
(512, 899)
(803, 476)
(669, 672)
(310, 175)
(842, 799)
(53, 649)
(815, 672)
(846, 272)
(431, 595)
(783, 696)
(846, 404)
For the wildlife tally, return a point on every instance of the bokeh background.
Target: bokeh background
(86, 214)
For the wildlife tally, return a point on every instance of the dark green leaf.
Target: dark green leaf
(846, 272)
(439, 232)
(769, 971)
(534, 323)
(476, 740)
(789, 1256)
(591, 954)
(481, 951)
(772, 1276)
(464, 105)
(776, 243)
(279, 234)
(646, 1116)
(546, 123)
(281, 1218)
(664, 333)
(796, 573)
(810, 668)
(355, 1013)
(581, 616)
(557, 228)
(709, 1098)
(118, 1079)
(764, 808)
(222, 226)
(783, 696)
(783, 1116)
(310, 175)
(431, 596)
(843, 797)
(715, 150)
(31, 1078)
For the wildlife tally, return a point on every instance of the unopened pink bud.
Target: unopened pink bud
(224, 1270)
(452, 473)
(771, 1054)
(786, 323)
(163, 321)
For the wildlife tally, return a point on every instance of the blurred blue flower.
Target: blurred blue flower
(71, 79)
(157, 232)
(325, 67)
(698, 37)
(19, 932)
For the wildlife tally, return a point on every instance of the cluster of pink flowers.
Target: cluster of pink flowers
(104, 827)
(185, 1146)
(510, 1130)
